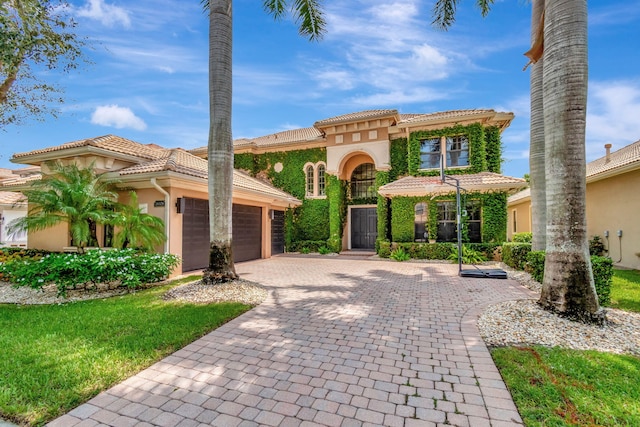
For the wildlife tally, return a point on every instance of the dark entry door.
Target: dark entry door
(277, 233)
(364, 228)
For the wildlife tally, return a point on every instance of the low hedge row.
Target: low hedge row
(417, 250)
(308, 246)
(602, 273)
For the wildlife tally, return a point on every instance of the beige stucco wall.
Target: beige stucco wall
(339, 155)
(613, 204)
(51, 239)
(522, 212)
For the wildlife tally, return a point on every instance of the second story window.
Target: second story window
(315, 180)
(454, 148)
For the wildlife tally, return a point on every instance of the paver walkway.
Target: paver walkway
(339, 342)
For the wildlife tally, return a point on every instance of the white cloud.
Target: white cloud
(108, 14)
(118, 117)
(612, 115)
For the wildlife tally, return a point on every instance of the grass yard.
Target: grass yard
(558, 387)
(625, 290)
(55, 357)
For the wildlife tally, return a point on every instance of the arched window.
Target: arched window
(321, 180)
(310, 180)
(363, 181)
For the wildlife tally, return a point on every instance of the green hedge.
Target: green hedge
(515, 254)
(602, 273)
(307, 246)
(525, 237)
(417, 250)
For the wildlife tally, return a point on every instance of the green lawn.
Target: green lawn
(54, 357)
(625, 290)
(557, 387)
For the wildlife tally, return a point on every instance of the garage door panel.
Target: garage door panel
(247, 233)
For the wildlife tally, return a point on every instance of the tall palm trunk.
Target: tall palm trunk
(220, 147)
(536, 147)
(568, 278)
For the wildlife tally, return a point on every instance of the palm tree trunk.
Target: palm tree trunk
(536, 147)
(568, 285)
(220, 147)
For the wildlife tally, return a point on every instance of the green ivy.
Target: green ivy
(382, 208)
(494, 149)
(336, 194)
(494, 217)
(398, 159)
(245, 162)
(477, 149)
(403, 217)
(311, 220)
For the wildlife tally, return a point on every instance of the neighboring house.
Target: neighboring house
(365, 177)
(13, 206)
(612, 204)
(171, 184)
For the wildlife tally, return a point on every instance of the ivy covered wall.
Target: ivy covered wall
(477, 149)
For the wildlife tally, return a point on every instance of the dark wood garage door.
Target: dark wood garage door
(277, 233)
(247, 233)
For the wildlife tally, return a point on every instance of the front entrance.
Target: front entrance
(364, 228)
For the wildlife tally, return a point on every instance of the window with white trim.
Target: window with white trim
(315, 180)
(454, 148)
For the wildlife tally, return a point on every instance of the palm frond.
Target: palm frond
(444, 13)
(277, 8)
(309, 15)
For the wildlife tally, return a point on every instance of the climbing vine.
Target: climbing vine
(336, 194)
(382, 208)
(494, 149)
(477, 149)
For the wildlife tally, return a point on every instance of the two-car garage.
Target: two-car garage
(247, 233)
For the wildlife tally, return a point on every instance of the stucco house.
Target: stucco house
(12, 206)
(612, 204)
(171, 184)
(372, 175)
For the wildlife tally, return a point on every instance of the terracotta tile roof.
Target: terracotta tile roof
(429, 185)
(520, 196)
(247, 182)
(183, 162)
(113, 143)
(11, 198)
(450, 115)
(352, 117)
(626, 156)
(281, 138)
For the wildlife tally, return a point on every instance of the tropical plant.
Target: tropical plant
(469, 256)
(35, 34)
(220, 146)
(68, 194)
(136, 228)
(562, 44)
(399, 254)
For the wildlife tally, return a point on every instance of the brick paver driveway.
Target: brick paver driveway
(339, 342)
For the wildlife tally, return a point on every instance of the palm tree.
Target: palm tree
(568, 280)
(136, 228)
(536, 143)
(68, 193)
(220, 147)
(568, 286)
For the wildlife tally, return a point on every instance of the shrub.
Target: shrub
(602, 273)
(323, 250)
(526, 237)
(596, 246)
(127, 267)
(306, 246)
(469, 255)
(535, 265)
(515, 254)
(602, 276)
(399, 254)
(384, 248)
(488, 250)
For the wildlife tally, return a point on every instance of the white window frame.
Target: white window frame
(443, 152)
(316, 193)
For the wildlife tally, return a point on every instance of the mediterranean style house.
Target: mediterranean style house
(171, 184)
(612, 207)
(373, 176)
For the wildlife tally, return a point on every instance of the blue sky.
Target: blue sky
(148, 80)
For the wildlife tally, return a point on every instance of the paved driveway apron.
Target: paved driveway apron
(339, 342)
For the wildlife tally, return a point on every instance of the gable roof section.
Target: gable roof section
(355, 117)
(486, 116)
(431, 185)
(10, 198)
(107, 143)
(620, 161)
